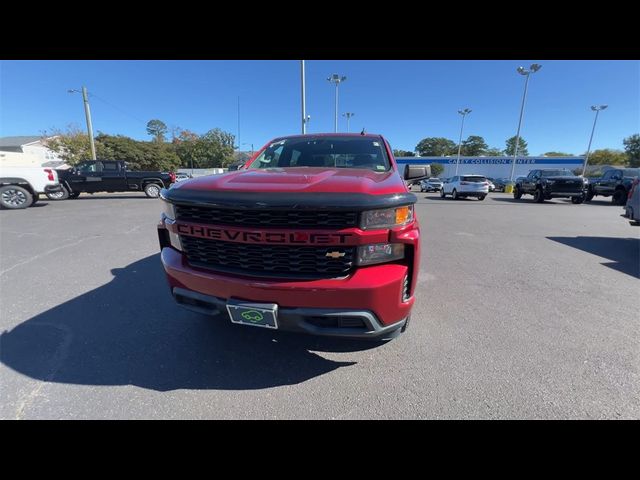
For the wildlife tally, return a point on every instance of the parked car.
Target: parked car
(492, 187)
(632, 208)
(499, 183)
(432, 184)
(182, 176)
(545, 184)
(94, 176)
(316, 234)
(615, 183)
(20, 187)
(462, 186)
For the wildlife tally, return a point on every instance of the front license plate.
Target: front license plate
(255, 314)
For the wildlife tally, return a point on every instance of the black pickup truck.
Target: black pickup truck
(615, 183)
(92, 176)
(546, 184)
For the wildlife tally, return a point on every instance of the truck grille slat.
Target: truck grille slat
(268, 218)
(284, 261)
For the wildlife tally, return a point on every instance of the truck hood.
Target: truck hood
(300, 180)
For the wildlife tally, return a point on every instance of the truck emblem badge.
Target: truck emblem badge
(335, 255)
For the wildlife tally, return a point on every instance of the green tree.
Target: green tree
(511, 147)
(214, 149)
(474, 146)
(632, 149)
(436, 147)
(72, 145)
(138, 155)
(558, 154)
(607, 156)
(403, 153)
(157, 129)
(436, 169)
(493, 152)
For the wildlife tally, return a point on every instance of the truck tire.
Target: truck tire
(14, 197)
(61, 195)
(481, 197)
(454, 194)
(577, 200)
(538, 197)
(619, 197)
(517, 193)
(152, 190)
(589, 196)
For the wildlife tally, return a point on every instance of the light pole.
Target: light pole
(348, 115)
(251, 147)
(522, 71)
(304, 98)
(595, 108)
(87, 113)
(464, 113)
(337, 79)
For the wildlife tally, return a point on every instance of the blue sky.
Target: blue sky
(404, 100)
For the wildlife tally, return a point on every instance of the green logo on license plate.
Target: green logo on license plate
(252, 316)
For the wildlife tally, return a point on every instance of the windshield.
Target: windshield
(631, 172)
(325, 152)
(556, 173)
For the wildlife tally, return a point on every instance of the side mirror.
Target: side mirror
(415, 172)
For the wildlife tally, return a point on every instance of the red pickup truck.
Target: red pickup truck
(316, 233)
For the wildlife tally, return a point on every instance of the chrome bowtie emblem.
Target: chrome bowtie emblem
(335, 254)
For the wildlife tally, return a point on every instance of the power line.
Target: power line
(117, 108)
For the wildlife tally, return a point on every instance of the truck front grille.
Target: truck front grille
(567, 186)
(282, 261)
(268, 218)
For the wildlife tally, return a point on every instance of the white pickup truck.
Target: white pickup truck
(20, 187)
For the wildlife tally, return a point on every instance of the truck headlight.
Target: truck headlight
(169, 210)
(380, 253)
(387, 218)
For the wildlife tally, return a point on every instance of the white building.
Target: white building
(27, 151)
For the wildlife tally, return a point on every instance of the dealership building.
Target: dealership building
(494, 167)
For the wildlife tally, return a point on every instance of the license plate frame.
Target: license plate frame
(264, 315)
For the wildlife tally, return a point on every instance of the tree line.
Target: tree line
(475, 145)
(186, 149)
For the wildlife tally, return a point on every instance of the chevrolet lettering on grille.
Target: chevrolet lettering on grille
(243, 236)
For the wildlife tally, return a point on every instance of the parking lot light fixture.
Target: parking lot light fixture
(348, 115)
(337, 79)
(595, 108)
(527, 73)
(464, 113)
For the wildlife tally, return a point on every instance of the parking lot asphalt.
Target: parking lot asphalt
(523, 310)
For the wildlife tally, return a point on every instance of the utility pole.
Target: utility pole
(87, 113)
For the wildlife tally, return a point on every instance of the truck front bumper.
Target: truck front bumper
(366, 304)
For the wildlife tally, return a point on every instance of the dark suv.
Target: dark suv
(546, 184)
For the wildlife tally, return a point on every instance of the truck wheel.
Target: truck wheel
(517, 193)
(442, 195)
(454, 194)
(589, 196)
(619, 197)
(36, 197)
(577, 200)
(481, 197)
(152, 190)
(538, 197)
(61, 195)
(14, 197)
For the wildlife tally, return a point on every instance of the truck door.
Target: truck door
(529, 183)
(86, 177)
(113, 177)
(608, 183)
